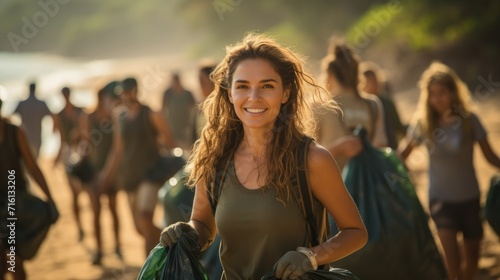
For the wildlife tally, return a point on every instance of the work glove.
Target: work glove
(292, 265)
(171, 234)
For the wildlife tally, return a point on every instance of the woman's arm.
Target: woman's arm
(346, 146)
(58, 127)
(488, 152)
(84, 130)
(202, 218)
(31, 164)
(405, 148)
(327, 186)
(379, 135)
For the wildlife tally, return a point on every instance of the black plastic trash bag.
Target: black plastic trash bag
(178, 262)
(400, 244)
(492, 207)
(33, 219)
(333, 274)
(182, 261)
(177, 205)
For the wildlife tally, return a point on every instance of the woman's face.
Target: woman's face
(440, 98)
(257, 93)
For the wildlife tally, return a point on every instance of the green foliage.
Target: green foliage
(427, 25)
(81, 26)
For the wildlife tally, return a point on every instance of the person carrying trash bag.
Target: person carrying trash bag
(25, 218)
(257, 120)
(448, 127)
(400, 244)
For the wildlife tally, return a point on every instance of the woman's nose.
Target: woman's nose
(254, 94)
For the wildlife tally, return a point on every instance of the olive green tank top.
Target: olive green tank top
(140, 149)
(256, 230)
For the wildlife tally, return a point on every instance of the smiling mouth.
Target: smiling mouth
(255, 111)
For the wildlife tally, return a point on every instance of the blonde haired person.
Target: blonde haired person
(334, 130)
(446, 124)
(257, 117)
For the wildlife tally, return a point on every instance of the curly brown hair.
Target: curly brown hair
(223, 131)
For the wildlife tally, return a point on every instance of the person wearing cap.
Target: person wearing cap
(15, 156)
(66, 122)
(97, 130)
(141, 134)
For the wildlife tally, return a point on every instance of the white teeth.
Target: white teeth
(255, 111)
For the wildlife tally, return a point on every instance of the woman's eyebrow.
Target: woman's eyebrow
(262, 81)
(268, 80)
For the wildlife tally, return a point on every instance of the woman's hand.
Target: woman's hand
(171, 234)
(293, 265)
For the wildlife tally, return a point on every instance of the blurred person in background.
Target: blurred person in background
(334, 130)
(32, 111)
(15, 155)
(66, 122)
(97, 130)
(446, 125)
(140, 136)
(374, 83)
(207, 86)
(177, 106)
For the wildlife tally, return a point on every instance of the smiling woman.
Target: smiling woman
(257, 94)
(258, 117)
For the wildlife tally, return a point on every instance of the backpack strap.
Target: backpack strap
(213, 191)
(305, 191)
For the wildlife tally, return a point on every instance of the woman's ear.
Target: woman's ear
(286, 95)
(230, 96)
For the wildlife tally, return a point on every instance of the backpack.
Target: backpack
(318, 226)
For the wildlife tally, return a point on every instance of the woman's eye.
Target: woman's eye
(267, 86)
(241, 87)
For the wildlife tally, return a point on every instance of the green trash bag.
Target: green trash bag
(152, 269)
(492, 207)
(178, 262)
(333, 274)
(400, 244)
(177, 198)
(177, 205)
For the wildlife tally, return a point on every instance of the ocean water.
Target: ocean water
(51, 73)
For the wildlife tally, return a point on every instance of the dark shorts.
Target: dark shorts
(461, 216)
